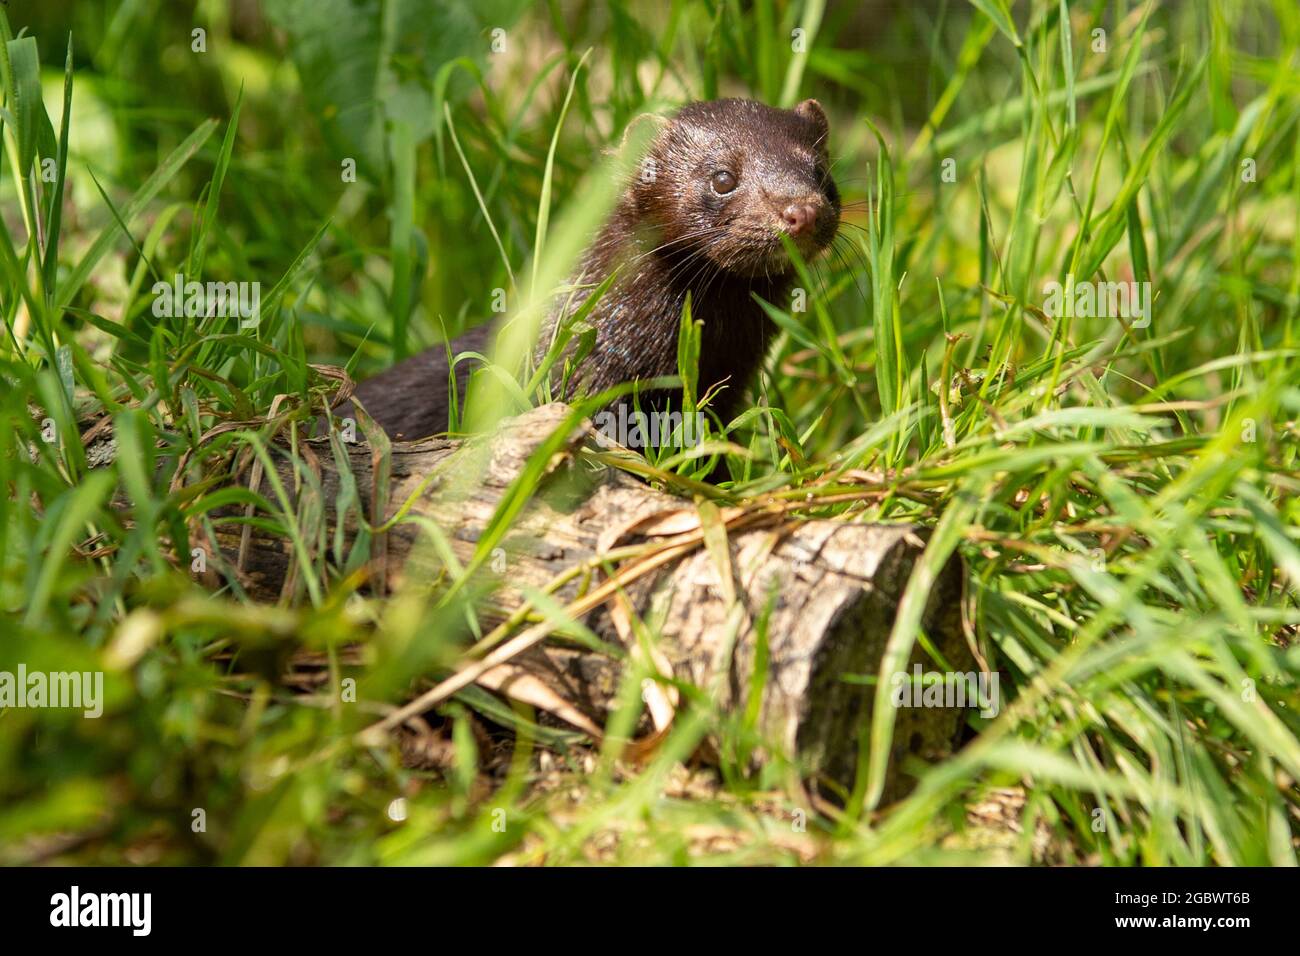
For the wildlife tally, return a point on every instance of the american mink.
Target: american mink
(720, 182)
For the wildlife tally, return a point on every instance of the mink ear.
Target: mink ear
(656, 121)
(812, 111)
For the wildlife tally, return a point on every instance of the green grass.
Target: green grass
(1123, 494)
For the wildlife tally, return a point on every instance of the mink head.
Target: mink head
(725, 179)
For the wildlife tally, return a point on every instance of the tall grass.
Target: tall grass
(1123, 494)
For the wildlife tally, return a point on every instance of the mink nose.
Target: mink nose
(799, 218)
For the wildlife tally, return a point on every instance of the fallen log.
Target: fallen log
(727, 589)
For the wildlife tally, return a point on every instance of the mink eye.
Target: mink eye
(724, 181)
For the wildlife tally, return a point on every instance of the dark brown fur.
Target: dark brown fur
(673, 232)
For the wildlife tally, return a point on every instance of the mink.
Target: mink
(703, 215)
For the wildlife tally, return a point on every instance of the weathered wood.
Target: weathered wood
(824, 592)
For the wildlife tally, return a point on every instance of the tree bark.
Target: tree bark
(813, 599)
